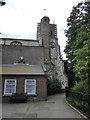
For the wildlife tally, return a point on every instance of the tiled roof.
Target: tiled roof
(20, 69)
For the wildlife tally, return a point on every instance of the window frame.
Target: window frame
(5, 93)
(34, 93)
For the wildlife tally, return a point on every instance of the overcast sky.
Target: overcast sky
(20, 17)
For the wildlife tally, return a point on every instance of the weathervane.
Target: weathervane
(45, 11)
(53, 21)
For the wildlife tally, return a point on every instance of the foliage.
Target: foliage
(82, 54)
(78, 53)
(70, 74)
(82, 86)
(74, 23)
(53, 86)
(79, 100)
(80, 105)
(77, 46)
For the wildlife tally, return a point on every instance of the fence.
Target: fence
(79, 100)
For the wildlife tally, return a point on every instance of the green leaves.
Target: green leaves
(81, 54)
(82, 87)
(77, 47)
(53, 86)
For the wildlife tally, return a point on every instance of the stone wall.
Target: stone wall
(61, 76)
(24, 42)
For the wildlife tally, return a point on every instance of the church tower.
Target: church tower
(43, 34)
(47, 36)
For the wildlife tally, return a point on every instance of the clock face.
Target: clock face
(52, 44)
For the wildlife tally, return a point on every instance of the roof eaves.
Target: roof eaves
(22, 73)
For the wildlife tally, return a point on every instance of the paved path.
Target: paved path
(54, 107)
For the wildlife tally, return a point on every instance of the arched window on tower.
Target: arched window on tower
(45, 19)
(16, 43)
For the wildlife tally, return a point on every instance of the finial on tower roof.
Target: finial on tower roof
(45, 11)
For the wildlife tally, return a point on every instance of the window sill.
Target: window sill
(32, 95)
(7, 95)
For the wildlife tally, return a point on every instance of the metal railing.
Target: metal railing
(79, 100)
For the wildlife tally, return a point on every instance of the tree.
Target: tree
(82, 54)
(73, 23)
(77, 46)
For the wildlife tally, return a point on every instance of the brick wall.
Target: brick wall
(41, 85)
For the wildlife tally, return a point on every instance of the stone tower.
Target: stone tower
(43, 31)
(47, 36)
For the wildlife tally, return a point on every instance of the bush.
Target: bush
(82, 86)
(79, 97)
(53, 87)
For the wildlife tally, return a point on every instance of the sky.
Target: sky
(19, 18)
